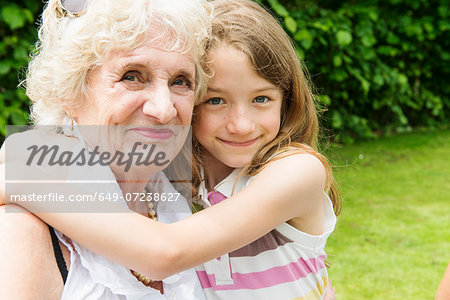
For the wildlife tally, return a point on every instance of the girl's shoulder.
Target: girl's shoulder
(293, 157)
(295, 168)
(291, 183)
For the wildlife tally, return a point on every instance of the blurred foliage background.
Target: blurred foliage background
(18, 29)
(378, 66)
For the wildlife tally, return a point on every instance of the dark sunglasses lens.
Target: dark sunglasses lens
(74, 6)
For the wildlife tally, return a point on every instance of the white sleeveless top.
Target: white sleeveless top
(92, 276)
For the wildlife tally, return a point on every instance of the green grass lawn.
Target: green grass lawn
(392, 239)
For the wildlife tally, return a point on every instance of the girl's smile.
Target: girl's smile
(239, 144)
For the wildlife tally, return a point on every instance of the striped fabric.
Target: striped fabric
(283, 264)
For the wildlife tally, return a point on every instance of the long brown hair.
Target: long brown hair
(249, 28)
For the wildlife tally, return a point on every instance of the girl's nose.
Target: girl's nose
(240, 121)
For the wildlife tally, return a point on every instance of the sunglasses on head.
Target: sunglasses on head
(72, 8)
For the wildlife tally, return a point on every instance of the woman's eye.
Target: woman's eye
(130, 76)
(261, 99)
(182, 81)
(215, 101)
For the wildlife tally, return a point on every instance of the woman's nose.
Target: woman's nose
(159, 105)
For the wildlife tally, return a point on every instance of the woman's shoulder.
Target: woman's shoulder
(18, 146)
(20, 220)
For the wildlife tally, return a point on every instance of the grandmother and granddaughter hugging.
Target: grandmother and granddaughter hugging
(128, 76)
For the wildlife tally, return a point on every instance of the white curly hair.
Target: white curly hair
(69, 47)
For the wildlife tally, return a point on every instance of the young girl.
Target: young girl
(255, 137)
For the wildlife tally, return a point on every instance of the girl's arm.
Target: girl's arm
(291, 187)
(444, 288)
(2, 184)
(2, 176)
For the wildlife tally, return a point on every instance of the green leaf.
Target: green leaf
(445, 55)
(373, 15)
(365, 86)
(378, 80)
(387, 50)
(337, 61)
(2, 48)
(2, 126)
(402, 79)
(392, 39)
(368, 40)
(428, 27)
(443, 11)
(344, 38)
(13, 16)
(18, 118)
(28, 15)
(320, 25)
(338, 75)
(336, 120)
(20, 53)
(4, 67)
(21, 94)
(291, 24)
(324, 99)
(278, 8)
(304, 37)
(300, 53)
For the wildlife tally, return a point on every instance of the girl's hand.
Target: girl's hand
(329, 295)
(443, 292)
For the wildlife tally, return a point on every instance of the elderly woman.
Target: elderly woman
(125, 64)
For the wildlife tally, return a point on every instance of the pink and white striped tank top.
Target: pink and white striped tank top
(284, 264)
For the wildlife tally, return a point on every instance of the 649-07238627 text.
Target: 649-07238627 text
(97, 196)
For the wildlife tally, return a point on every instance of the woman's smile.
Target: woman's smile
(154, 133)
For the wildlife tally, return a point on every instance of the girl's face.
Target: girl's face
(241, 112)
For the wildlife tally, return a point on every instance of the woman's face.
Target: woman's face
(145, 86)
(143, 95)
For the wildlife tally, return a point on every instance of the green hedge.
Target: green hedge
(377, 65)
(18, 32)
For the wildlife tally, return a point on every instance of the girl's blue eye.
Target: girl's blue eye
(215, 101)
(261, 99)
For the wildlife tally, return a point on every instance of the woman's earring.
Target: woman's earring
(69, 131)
